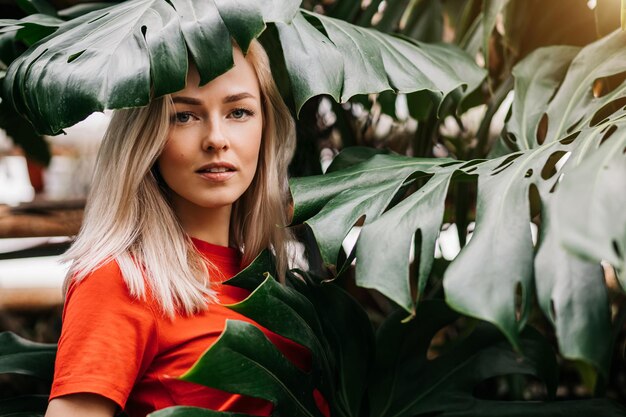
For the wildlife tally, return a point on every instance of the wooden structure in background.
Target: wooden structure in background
(37, 219)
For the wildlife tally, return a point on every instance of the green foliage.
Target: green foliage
(358, 372)
(26, 406)
(484, 279)
(125, 50)
(21, 356)
(389, 377)
(559, 163)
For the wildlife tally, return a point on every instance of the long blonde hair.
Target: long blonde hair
(128, 215)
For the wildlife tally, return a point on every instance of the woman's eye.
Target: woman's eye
(183, 117)
(240, 113)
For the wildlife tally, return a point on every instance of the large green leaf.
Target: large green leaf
(493, 277)
(590, 208)
(406, 383)
(24, 406)
(537, 78)
(350, 340)
(423, 211)
(331, 204)
(112, 58)
(21, 356)
(571, 292)
(244, 361)
(284, 311)
(185, 411)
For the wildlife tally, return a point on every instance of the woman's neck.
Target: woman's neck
(209, 224)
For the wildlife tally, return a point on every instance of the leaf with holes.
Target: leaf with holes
(361, 60)
(536, 80)
(590, 204)
(123, 55)
(493, 276)
(407, 383)
(112, 58)
(577, 123)
(388, 270)
(331, 204)
(584, 211)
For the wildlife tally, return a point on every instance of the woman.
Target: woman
(186, 191)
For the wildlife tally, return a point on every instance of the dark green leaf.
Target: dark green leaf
(21, 356)
(37, 6)
(422, 211)
(254, 274)
(25, 406)
(184, 411)
(244, 361)
(339, 198)
(111, 58)
(284, 311)
(407, 383)
(590, 207)
(351, 342)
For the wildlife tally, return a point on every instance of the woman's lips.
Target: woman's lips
(217, 171)
(217, 176)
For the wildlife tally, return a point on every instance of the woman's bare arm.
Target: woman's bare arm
(81, 405)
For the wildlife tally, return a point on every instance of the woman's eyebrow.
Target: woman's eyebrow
(187, 100)
(231, 98)
(236, 97)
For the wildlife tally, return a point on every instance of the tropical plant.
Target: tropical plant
(558, 163)
(358, 372)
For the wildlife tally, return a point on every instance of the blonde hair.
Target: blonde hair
(128, 215)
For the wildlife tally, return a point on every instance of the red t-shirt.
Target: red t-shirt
(123, 349)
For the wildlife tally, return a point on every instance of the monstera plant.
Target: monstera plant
(559, 162)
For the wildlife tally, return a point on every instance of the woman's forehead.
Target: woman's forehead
(242, 77)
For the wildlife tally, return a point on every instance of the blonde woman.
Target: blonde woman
(186, 191)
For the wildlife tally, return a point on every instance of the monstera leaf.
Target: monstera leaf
(410, 384)
(361, 60)
(323, 319)
(118, 56)
(184, 411)
(397, 379)
(21, 356)
(558, 131)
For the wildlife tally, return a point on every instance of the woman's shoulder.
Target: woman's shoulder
(106, 279)
(105, 287)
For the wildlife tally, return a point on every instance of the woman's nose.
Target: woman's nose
(215, 138)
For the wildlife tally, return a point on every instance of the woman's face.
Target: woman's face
(212, 150)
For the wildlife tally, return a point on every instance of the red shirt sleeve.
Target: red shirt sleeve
(108, 338)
